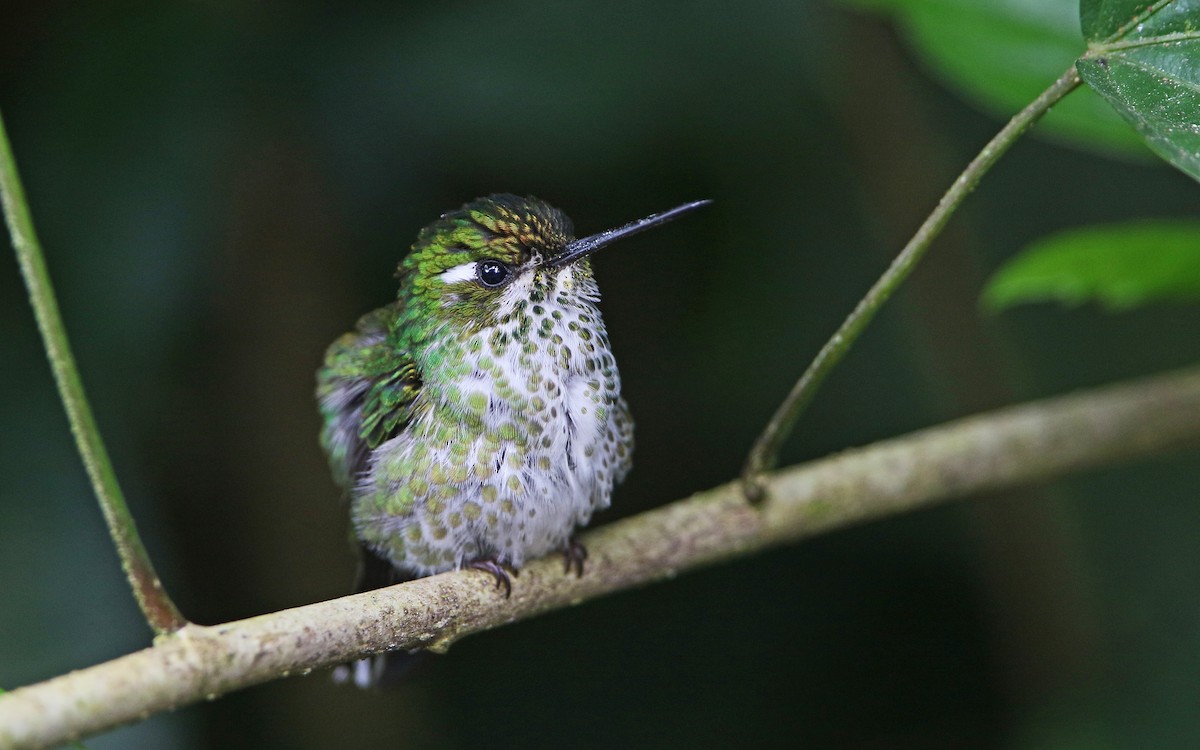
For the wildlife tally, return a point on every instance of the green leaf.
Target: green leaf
(1144, 58)
(1118, 266)
(1109, 20)
(1000, 54)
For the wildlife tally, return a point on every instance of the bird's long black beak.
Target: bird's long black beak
(584, 247)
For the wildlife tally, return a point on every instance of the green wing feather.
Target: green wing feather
(366, 389)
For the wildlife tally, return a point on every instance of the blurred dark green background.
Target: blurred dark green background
(223, 187)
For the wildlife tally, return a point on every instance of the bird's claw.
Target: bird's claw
(574, 555)
(493, 567)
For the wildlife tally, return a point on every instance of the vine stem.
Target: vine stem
(764, 455)
(159, 610)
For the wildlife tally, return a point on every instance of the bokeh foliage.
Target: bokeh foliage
(223, 187)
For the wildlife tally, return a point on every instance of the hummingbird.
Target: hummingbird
(477, 420)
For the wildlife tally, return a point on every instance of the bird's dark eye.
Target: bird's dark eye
(493, 273)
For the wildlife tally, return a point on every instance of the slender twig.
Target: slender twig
(764, 454)
(1016, 445)
(160, 612)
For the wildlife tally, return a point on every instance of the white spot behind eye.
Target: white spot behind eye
(464, 272)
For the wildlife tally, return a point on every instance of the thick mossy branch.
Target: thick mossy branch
(1004, 448)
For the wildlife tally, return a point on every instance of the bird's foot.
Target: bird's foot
(574, 555)
(498, 570)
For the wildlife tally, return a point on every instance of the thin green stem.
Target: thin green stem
(765, 452)
(158, 608)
